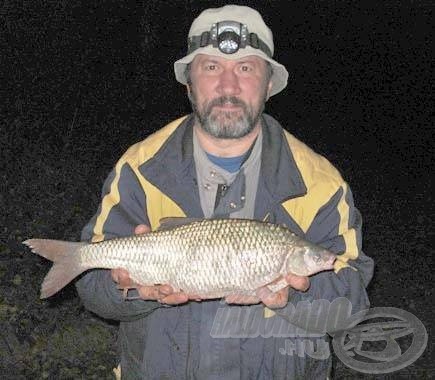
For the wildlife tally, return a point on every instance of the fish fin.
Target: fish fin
(171, 222)
(277, 285)
(53, 250)
(242, 298)
(66, 261)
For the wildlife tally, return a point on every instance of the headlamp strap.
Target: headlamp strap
(254, 41)
(204, 39)
(211, 38)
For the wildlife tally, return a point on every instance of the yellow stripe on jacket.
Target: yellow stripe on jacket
(158, 204)
(322, 181)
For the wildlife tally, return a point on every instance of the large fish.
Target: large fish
(211, 258)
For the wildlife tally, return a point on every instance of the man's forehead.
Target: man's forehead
(215, 58)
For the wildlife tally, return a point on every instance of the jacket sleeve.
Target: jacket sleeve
(337, 227)
(122, 208)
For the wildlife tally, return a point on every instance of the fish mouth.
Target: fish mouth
(330, 260)
(326, 262)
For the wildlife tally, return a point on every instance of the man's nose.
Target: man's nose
(229, 83)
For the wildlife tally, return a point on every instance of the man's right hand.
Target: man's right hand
(161, 293)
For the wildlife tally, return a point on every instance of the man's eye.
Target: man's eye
(246, 68)
(211, 67)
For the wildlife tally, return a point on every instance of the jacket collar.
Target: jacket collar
(172, 170)
(280, 178)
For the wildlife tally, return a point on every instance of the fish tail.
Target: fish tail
(66, 263)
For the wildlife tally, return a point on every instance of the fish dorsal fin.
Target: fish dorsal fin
(171, 222)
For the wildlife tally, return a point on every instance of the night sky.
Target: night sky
(81, 83)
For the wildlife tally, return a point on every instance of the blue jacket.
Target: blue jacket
(155, 178)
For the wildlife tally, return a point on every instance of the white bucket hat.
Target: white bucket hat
(258, 41)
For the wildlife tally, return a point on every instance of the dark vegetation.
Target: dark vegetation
(80, 83)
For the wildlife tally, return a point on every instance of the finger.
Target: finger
(122, 277)
(194, 297)
(165, 289)
(273, 300)
(270, 298)
(150, 293)
(115, 274)
(263, 293)
(175, 298)
(301, 283)
(156, 292)
(142, 229)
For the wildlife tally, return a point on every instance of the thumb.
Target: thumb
(141, 229)
(301, 283)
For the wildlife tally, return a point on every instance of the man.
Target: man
(227, 159)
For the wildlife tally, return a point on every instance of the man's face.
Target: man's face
(228, 96)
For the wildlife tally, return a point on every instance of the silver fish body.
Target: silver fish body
(211, 257)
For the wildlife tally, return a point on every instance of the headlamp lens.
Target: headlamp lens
(228, 42)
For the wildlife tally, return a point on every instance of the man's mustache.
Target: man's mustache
(223, 100)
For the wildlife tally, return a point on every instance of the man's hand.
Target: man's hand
(161, 293)
(280, 298)
(273, 299)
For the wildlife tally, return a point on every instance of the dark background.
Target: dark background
(81, 83)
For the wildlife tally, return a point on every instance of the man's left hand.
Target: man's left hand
(273, 299)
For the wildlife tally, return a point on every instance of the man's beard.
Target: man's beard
(231, 124)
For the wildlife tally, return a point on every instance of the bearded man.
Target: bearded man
(227, 159)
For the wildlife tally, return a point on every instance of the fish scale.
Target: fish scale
(211, 257)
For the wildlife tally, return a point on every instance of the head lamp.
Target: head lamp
(228, 42)
(228, 37)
